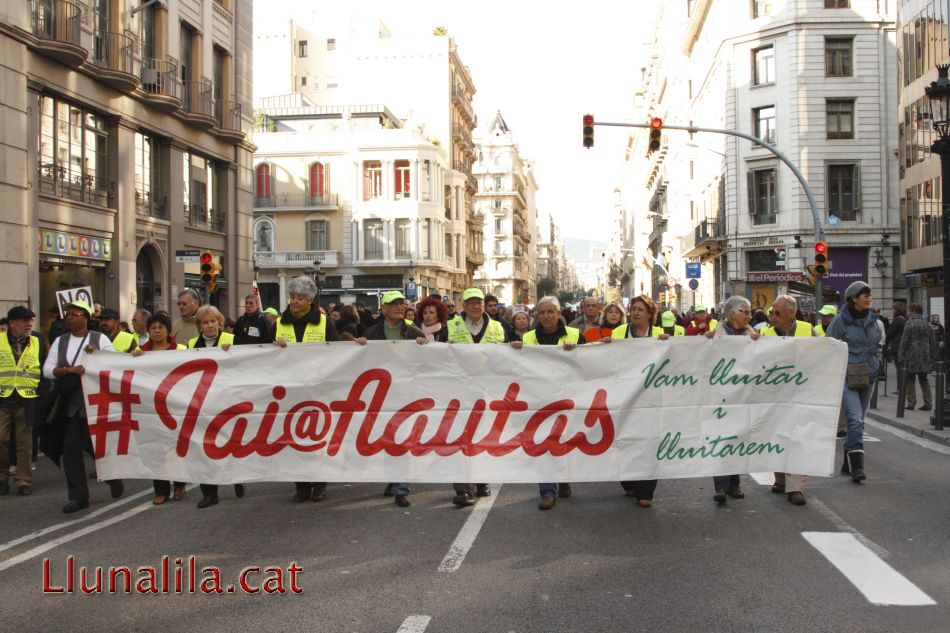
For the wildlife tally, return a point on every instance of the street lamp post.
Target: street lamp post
(938, 94)
(318, 275)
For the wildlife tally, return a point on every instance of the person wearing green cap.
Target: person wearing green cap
(302, 322)
(65, 365)
(702, 322)
(668, 323)
(827, 315)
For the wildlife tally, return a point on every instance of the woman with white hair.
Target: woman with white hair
(302, 322)
(551, 330)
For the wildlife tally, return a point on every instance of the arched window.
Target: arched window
(318, 180)
(265, 182)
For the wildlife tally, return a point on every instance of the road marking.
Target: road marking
(95, 527)
(414, 624)
(880, 583)
(910, 437)
(763, 479)
(466, 536)
(60, 526)
(868, 438)
(843, 526)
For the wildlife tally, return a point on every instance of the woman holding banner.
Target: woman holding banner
(737, 312)
(159, 327)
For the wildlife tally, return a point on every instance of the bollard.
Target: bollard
(939, 394)
(873, 404)
(901, 388)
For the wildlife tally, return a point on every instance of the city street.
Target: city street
(597, 562)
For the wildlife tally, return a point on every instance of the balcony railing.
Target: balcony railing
(197, 97)
(160, 77)
(295, 259)
(58, 20)
(464, 102)
(201, 217)
(150, 205)
(298, 199)
(228, 115)
(58, 181)
(113, 51)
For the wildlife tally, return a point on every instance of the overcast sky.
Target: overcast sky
(544, 66)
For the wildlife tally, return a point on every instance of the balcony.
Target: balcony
(705, 237)
(523, 236)
(295, 259)
(200, 217)
(228, 115)
(160, 83)
(59, 182)
(147, 204)
(112, 53)
(298, 200)
(56, 25)
(197, 102)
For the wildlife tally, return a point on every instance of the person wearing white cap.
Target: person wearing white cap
(856, 325)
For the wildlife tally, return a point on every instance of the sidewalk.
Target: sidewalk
(917, 422)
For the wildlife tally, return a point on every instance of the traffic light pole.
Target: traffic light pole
(819, 295)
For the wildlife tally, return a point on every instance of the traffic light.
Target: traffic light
(656, 134)
(662, 299)
(822, 265)
(215, 271)
(207, 267)
(588, 131)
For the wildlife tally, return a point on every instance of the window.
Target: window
(448, 246)
(301, 48)
(763, 196)
(497, 183)
(498, 205)
(373, 239)
(403, 227)
(424, 179)
(331, 82)
(498, 248)
(147, 196)
(763, 66)
(840, 118)
(761, 8)
(73, 153)
(844, 190)
(401, 175)
(200, 187)
(425, 244)
(372, 179)
(265, 182)
(303, 81)
(837, 4)
(331, 44)
(763, 121)
(318, 235)
(499, 226)
(838, 56)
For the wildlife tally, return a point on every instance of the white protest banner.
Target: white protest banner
(398, 411)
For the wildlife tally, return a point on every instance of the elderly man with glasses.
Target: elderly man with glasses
(590, 316)
(186, 327)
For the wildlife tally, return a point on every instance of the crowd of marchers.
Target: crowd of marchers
(42, 405)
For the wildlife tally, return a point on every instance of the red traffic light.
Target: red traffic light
(588, 119)
(656, 135)
(588, 131)
(821, 247)
(656, 123)
(206, 257)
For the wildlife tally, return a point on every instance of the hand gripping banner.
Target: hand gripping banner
(439, 413)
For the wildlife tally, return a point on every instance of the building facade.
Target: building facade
(506, 198)
(813, 78)
(125, 142)
(349, 191)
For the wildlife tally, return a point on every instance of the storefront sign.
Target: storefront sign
(776, 276)
(847, 266)
(377, 281)
(75, 245)
(398, 411)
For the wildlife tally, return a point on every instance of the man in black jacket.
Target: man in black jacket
(252, 326)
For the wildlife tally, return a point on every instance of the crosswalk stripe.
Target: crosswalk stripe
(880, 583)
(415, 624)
(763, 479)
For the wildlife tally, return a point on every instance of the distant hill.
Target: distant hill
(586, 257)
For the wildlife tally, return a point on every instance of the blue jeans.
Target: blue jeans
(855, 404)
(548, 490)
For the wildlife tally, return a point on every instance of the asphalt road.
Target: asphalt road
(597, 562)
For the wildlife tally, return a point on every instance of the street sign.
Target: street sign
(411, 291)
(189, 256)
(693, 284)
(671, 282)
(833, 219)
(694, 270)
(83, 293)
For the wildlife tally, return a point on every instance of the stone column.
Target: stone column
(120, 273)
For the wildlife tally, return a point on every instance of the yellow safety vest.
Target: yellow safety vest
(124, 342)
(313, 333)
(458, 331)
(573, 336)
(820, 329)
(621, 331)
(679, 330)
(225, 338)
(24, 375)
(802, 328)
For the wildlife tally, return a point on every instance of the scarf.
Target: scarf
(430, 330)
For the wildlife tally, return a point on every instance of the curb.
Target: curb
(940, 437)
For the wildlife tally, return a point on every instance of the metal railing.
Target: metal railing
(197, 97)
(201, 217)
(57, 181)
(150, 205)
(58, 20)
(298, 199)
(113, 51)
(464, 103)
(294, 258)
(228, 114)
(160, 77)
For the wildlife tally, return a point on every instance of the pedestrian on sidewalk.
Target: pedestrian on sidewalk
(856, 325)
(916, 354)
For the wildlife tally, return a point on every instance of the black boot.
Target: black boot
(856, 464)
(845, 466)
